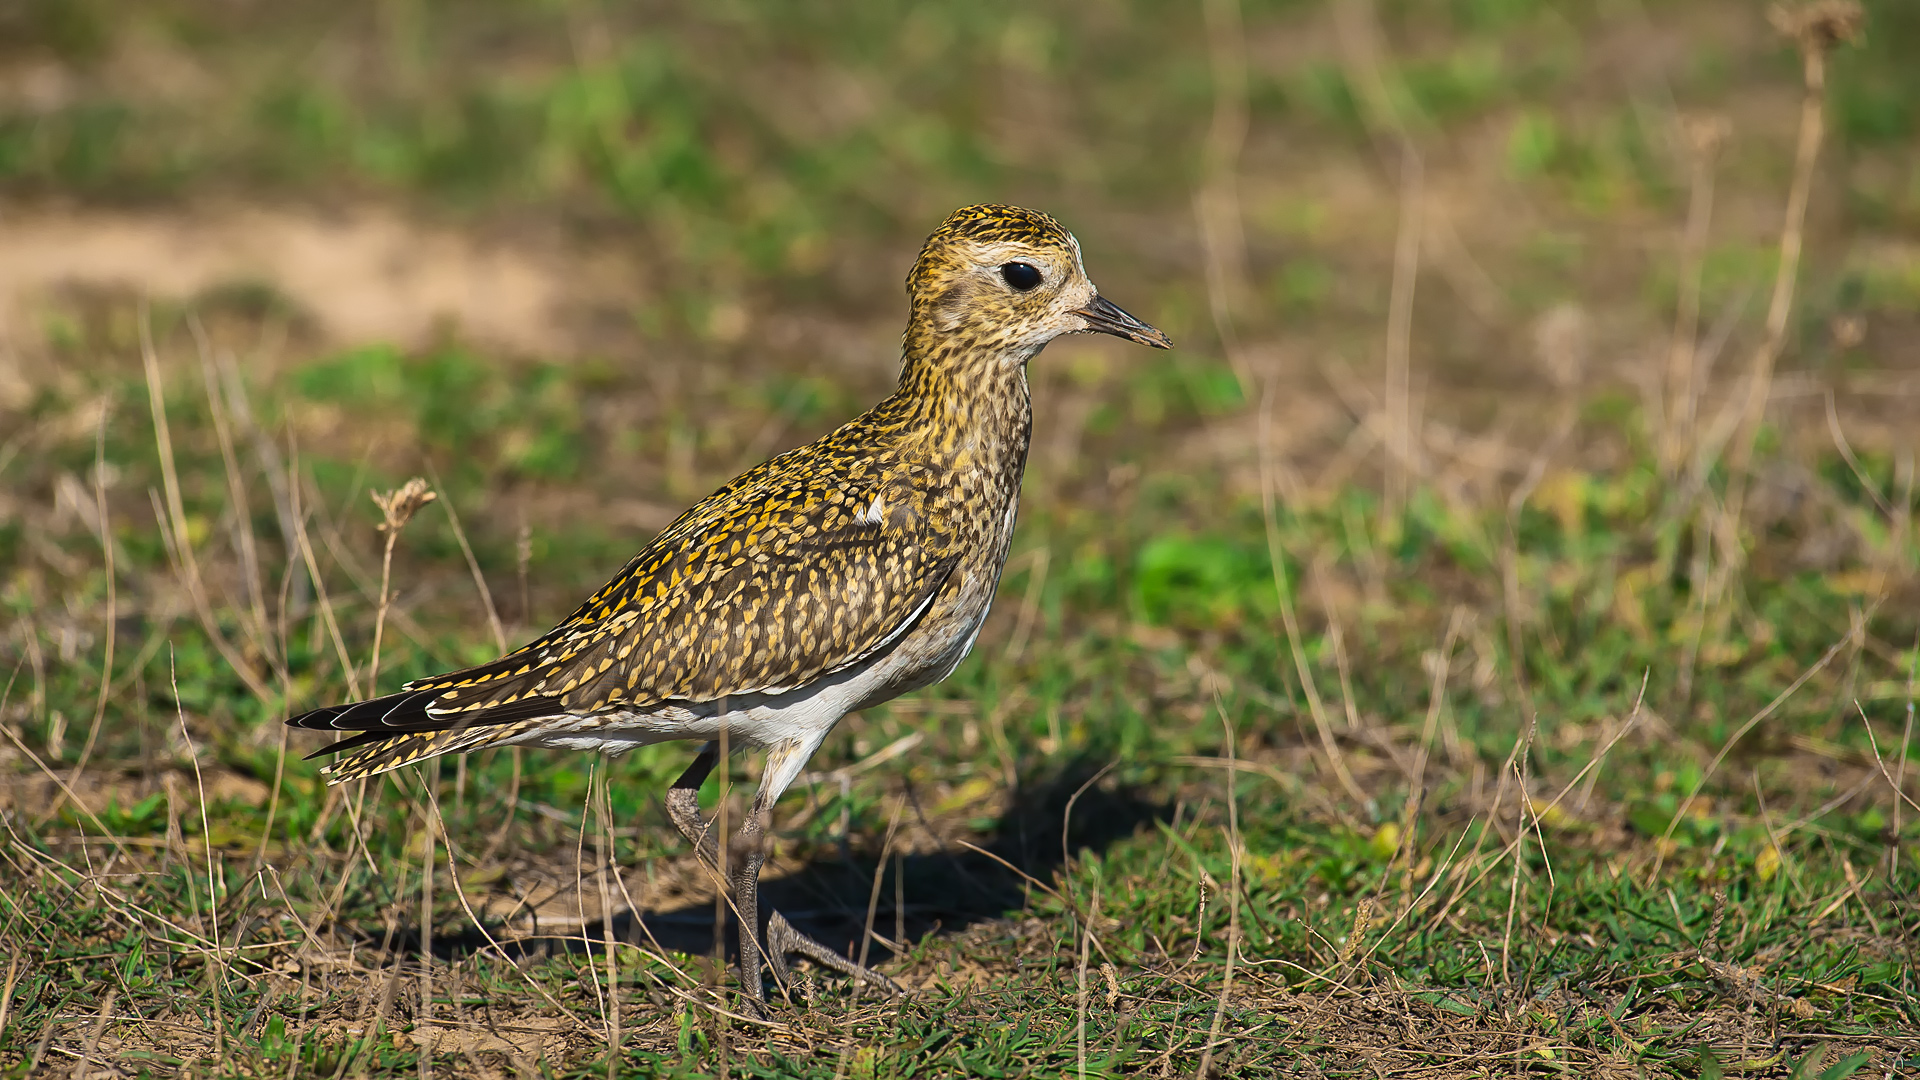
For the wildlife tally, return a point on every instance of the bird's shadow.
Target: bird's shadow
(1064, 810)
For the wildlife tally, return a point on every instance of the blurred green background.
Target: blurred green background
(625, 249)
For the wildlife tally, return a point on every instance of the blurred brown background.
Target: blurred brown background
(703, 213)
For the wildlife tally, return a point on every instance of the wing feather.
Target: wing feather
(778, 579)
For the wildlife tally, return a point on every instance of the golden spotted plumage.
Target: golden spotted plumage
(833, 577)
(892, 527)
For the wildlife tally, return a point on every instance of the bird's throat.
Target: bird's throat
(969, 401)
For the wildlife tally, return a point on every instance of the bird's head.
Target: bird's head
(1008, 280)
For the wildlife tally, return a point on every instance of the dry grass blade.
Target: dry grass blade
(112, 615)
(1898, 784)
(1233, 898)
(1436, 704)
(66, 790)
(580, 899)
(1066, 816)
(1816, 28)
(1900, 781)
(1038, 561)
(1217, 202)
(603, 863)
(1080, 984)
(432, 829)
(6, 990)
(1840, 443)
(879, 874)
(473, 567)
(1022, 874)
(173, 524)
(217, 968)
(303, 541)
(1403, 437)
(1512, 849)
(1700, 138)
(493, 943)
(1726, 748)
(237, 501)
(99, 1028)
(1335, 758)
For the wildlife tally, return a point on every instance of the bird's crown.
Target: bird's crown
(983, 226)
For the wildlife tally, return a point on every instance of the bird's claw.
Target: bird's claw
(782, 941)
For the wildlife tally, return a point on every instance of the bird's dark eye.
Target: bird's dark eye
(1023, 277)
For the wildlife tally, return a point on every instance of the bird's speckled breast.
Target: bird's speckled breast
(977, 490)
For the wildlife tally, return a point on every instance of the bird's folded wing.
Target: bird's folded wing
(762, 601)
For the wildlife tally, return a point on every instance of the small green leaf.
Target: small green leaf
(1803, 1069)
(1448, 1002)
(1846, 1066)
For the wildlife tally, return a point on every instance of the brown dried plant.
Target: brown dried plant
(1820, 26)
(397, 507)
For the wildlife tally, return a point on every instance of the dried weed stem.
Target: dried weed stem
(173, 522)
(1816, 29)
(113, 614)
(397, 507)
(1402, 436)
(473, 567)
(1233, 896)
(1700, 138)
(1295, 642)
(1217, 202)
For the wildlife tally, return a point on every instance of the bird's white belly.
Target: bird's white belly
(754, 719)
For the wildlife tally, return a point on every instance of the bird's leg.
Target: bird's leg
(683, 805)
(784, 941)
(746, 854)
(781, 940)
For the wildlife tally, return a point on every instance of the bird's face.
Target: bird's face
(1010, 280)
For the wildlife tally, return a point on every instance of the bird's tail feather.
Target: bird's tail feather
(388, 752)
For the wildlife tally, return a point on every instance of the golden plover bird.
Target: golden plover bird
(829, 579)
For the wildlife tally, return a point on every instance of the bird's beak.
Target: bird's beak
(1105, 317)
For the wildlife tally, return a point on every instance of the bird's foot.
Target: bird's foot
(782, 941)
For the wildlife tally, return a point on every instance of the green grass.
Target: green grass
(1539, 793)
(1574, 926)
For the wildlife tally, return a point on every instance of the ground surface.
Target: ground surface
(1483, 649)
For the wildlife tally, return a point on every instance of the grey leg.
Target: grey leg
(781, 940)
(784, 941)
(746, 854)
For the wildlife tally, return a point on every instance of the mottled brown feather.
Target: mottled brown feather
(765, 585)
(897, 523)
